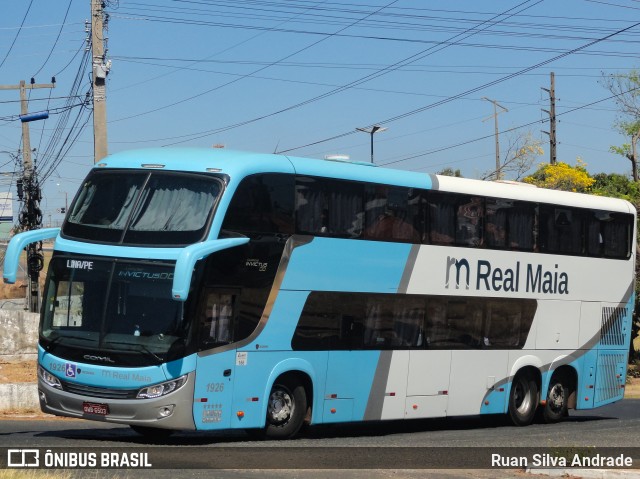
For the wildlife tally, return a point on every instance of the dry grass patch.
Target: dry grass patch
(18, 371)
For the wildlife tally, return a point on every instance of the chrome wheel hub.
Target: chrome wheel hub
(280, 406)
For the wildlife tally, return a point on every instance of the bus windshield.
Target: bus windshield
(119, 312)
(142, 207)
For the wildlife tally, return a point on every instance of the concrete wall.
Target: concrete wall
(22, 397)
(18, 341)
(18, 334)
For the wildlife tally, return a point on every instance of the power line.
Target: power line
(254, 72)
(408, 60)
(515, 128)
(55, 43)
(17, 34)
(476, 89)
(208, 58)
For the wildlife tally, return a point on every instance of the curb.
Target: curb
(19, 396)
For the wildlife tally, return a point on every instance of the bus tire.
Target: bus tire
(152, 432)
(523, 399)
(286, 409)
(555, 408)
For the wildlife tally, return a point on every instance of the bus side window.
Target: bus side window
(436, 329)
(595, 237)
(496, 223)
(617, 234)
(441, 219)
(469, 217)
(262, 204)
(392, 214)
(329, 207)
(216, 320)
(561, 230)
(507, 323)
(408, 322)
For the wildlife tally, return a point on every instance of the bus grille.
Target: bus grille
(612, 322)
(104, 393)
(610, 367)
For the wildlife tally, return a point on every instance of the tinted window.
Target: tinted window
(227, 316)
(262, 204)
(561, 230)
(509, 224)
(140, 207)
(104, 205)
(441, 218)
(617, 233)
(172, 210)
(392, 214)
(347, 321)
(455, 219)
(469, 221)
(328, 207)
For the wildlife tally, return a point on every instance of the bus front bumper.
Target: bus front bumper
(173, 411)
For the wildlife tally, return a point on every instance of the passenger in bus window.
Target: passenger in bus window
(388, 216)
(469, 222)
(495, 235)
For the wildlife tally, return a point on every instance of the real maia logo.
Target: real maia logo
(533, 277)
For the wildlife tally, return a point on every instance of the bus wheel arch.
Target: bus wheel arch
(560, 395)
(288, 405)
(524, 396)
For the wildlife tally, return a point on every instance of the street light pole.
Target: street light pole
(371, 131)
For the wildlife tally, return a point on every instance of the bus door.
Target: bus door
(216, 361)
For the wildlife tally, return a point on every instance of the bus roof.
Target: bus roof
(238, 164)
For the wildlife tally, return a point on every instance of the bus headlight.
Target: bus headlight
(161, 389)
(49, 378)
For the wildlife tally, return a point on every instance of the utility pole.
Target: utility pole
(496, 105)
(29, 191)
(101, 69)
(552, 120)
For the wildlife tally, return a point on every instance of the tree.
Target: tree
(616, 186)
(629, 150)
(520, 153)
(448, 171)
(562, 176)
(626, 90)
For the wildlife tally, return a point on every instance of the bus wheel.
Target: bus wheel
(555, 408)
(286, 409)
(523, 399)
(152, 432)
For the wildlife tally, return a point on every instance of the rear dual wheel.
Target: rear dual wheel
(556, 406)
(523, 399)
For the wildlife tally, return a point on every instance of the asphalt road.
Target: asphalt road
(394, 449)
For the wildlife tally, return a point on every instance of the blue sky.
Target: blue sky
(266, 75)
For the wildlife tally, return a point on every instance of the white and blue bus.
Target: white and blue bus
(210, 289)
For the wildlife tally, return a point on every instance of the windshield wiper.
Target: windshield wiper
(141, 347)
(59, 338)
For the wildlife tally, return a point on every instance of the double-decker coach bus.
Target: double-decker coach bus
(211, 289)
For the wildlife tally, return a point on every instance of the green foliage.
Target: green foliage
(616, 186)
(448, 171)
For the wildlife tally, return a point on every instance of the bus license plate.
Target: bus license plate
(94, 408)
